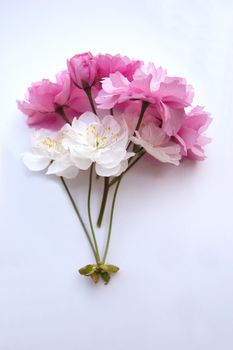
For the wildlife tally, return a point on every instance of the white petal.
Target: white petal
(102, 171)
(114, 171)
(168, 153)
(81, 163)
(63, 167)
(123, 167)
(69, 173)
(61, 163)
(35, 162)
(110, 157)
(89, 118)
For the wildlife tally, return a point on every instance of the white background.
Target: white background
(173, 229)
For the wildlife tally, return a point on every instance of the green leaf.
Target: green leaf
(105, 276)
(109, 268)
(87, 270)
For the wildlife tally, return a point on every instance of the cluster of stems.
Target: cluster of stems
(108, 184)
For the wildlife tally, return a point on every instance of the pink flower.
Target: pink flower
(43, 101)
(82, 69)
(154, 140)
(190, 134)
(169, 96)
(107, 64)
(49, 105)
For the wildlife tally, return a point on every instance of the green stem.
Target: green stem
(111, 219)
(79, 217)
(89, 95)
(104, 201)
(118, 180)
(89, 214)
(61, 112)
(135, 160)
(145, 104)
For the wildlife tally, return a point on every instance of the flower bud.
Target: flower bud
(82, 69)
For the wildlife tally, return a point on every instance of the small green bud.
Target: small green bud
(87, 270)
(95, 277)
(105, 277)
(109, 268)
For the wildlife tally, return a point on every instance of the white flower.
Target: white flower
(48, 152)
(104, 142)
(154, 140)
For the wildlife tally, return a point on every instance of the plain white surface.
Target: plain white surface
(173, 229)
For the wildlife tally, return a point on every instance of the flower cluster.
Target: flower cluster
(77, 146)
(108, 111)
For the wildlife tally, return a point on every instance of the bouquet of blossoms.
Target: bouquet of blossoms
(102, 115)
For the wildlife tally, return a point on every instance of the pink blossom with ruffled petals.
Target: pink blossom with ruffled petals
(190, 135)
(148, 84)
(44, 99)
(47, 101)
(168, 95)
(83, 69)
(107, 64)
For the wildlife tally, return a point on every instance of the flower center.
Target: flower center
(100, 137)
(50, 143)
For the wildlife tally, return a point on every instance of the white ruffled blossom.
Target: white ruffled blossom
(48, 152)
(155, 142)
(102, 141)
